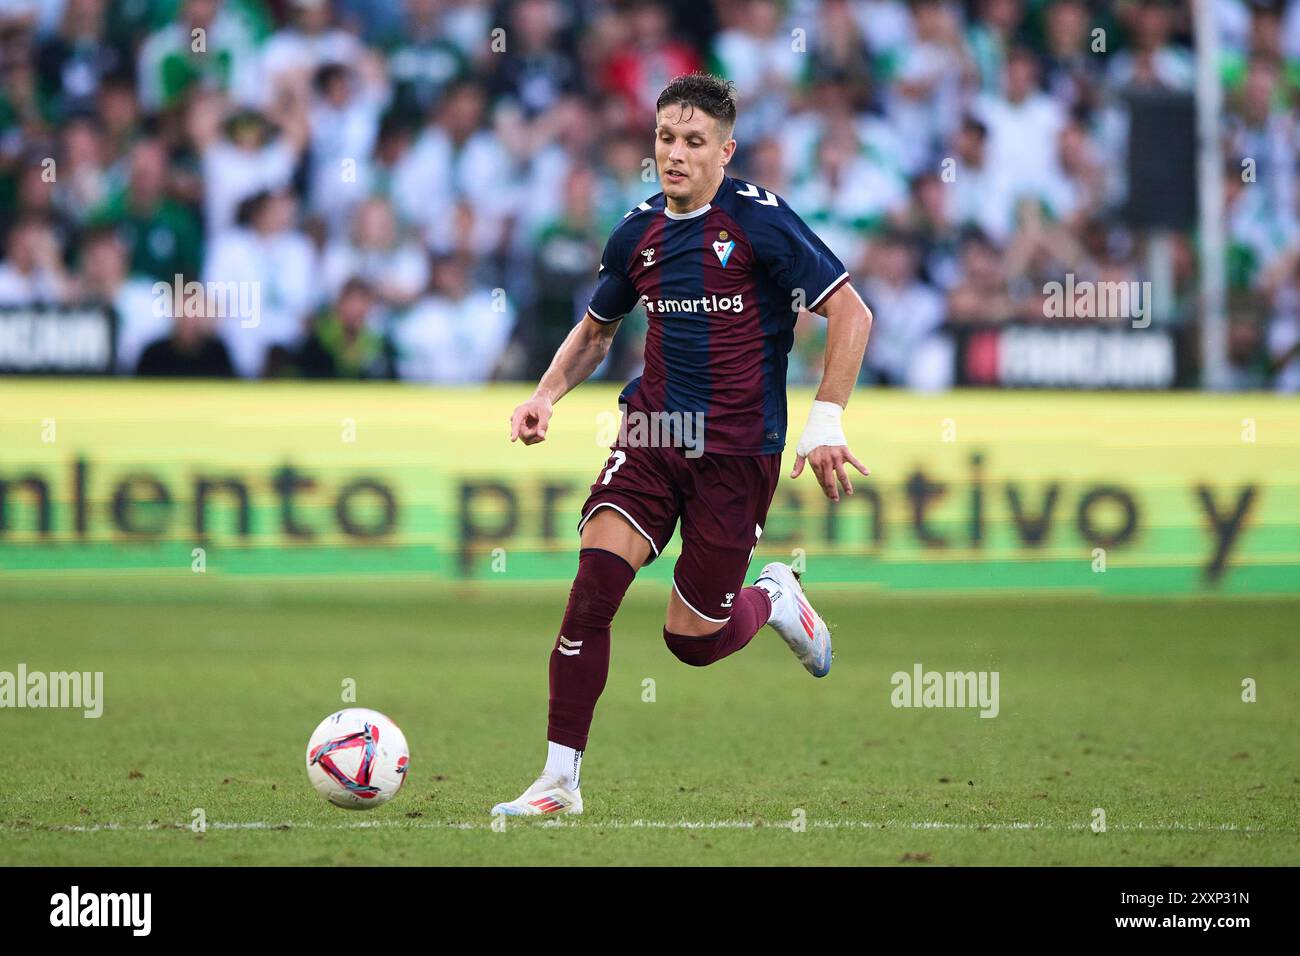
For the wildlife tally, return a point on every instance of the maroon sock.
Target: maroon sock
(750, 612)
(580, 659)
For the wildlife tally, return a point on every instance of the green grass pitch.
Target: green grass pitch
(212, 686)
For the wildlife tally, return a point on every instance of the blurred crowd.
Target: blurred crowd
(421, 189)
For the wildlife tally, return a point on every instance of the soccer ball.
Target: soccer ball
(357, 759)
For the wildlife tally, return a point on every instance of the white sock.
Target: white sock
(563, 762)
(771, 590)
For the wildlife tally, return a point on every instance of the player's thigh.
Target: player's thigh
(610, 530)
(722, 521)
(632, 506)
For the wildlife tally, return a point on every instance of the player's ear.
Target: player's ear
(728, 150)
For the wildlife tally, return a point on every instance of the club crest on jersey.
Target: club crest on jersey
(722, 248)
(649, 256)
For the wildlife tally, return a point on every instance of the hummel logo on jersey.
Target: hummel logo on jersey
(727, 602)
(569, 648)
(751, 191)
(649, 256)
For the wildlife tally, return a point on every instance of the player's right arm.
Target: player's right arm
(577, 357)
(585, 347)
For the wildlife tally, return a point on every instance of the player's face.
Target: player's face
(691, 150)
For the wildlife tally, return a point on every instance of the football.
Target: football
(357, 759)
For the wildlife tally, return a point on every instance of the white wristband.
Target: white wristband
(823, 428)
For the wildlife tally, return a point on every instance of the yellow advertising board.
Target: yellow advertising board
(970, 491)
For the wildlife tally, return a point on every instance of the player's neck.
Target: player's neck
(696, 202)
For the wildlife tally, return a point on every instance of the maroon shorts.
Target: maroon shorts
(722, 501)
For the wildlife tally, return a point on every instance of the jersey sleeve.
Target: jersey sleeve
(614, 296)
(794, 255)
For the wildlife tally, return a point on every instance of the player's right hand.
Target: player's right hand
(530, 420)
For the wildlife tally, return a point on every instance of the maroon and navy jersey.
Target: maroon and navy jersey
(721, 287)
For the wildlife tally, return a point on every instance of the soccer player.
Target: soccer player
(722, 268)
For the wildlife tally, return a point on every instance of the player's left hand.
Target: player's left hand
(828, 464)
(823, 445)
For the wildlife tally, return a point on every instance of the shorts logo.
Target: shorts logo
(727, 602)
(649, 256)
(569, 648)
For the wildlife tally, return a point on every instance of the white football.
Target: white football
(357, 758)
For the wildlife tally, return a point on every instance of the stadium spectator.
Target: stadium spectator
(1072, 72)
(192, 349)
(981, 294)
(565, 248)
(534, 71)
(1248, 359)
(396, 268)
(982, 193)
(925, 119)
(74, 61)
(907, 314)
(1019, 115)
(117, 111)
(211, 46)
(32, 272)
(990, 37)
(1073, 194)
(295, 54)
(422, 59)
(244, 152)
(925, 95)
(846, 194)
(82, 183)
(839, 47)
(650, 58)
(455, 159)
(929, 219)
(1262, 129)
(345, 117)
(141, 315)
(1153, 61)
(270, 269)
(342, 342)
(38, 197)
(755, 52)
(457, 333)
(163, 235)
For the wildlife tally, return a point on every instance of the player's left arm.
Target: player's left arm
(800, 263)
(822, 444)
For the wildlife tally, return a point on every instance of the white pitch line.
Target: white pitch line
(1172, 826)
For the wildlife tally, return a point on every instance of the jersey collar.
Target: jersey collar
(703, 209)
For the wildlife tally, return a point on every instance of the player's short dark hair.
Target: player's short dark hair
(703, 91)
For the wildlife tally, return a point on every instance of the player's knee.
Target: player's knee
(602, 580)
(696, 651)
